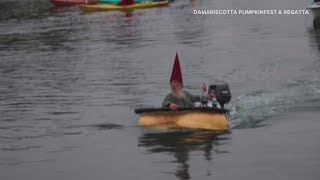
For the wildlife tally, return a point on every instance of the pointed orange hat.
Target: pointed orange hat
(176, 71)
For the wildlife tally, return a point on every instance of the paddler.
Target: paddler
(178, 97)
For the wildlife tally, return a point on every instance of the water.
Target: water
(70, 81)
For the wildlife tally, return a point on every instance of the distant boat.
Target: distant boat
(123, 5)
(315, 8)
(117, 1)
(61, 3)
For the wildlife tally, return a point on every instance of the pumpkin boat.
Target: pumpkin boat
(196, 118)
(123, 5)
(207, 118)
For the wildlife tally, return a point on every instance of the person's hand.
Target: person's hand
(173, 106)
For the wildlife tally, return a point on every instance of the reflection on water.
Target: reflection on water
(316, 23)
(314, 35)
(189, 33)
(314, 41)
(180, 144)
(31, 9)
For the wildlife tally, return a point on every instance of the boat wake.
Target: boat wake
(253, 109)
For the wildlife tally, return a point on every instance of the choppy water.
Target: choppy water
(70, 81)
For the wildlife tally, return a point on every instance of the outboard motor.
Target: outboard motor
(222, 92)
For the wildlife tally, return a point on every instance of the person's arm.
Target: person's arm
(196, 98)
(193, 98)
(166, 102)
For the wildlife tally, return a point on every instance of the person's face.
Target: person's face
(175, 85)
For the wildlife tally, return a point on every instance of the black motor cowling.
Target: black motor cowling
(222, 92)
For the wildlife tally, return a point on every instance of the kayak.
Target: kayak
(107, 7)
(117, 1)
(61, 3)
(206, 118)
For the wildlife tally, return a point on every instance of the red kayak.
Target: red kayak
(61, 3)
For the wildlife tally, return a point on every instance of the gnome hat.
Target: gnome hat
(125, 2)
(176, 71)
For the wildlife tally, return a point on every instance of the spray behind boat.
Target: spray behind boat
(222, 92)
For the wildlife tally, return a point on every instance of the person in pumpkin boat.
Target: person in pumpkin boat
(178, 97)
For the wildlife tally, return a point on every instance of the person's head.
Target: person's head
(175, 85)
(177, 89)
